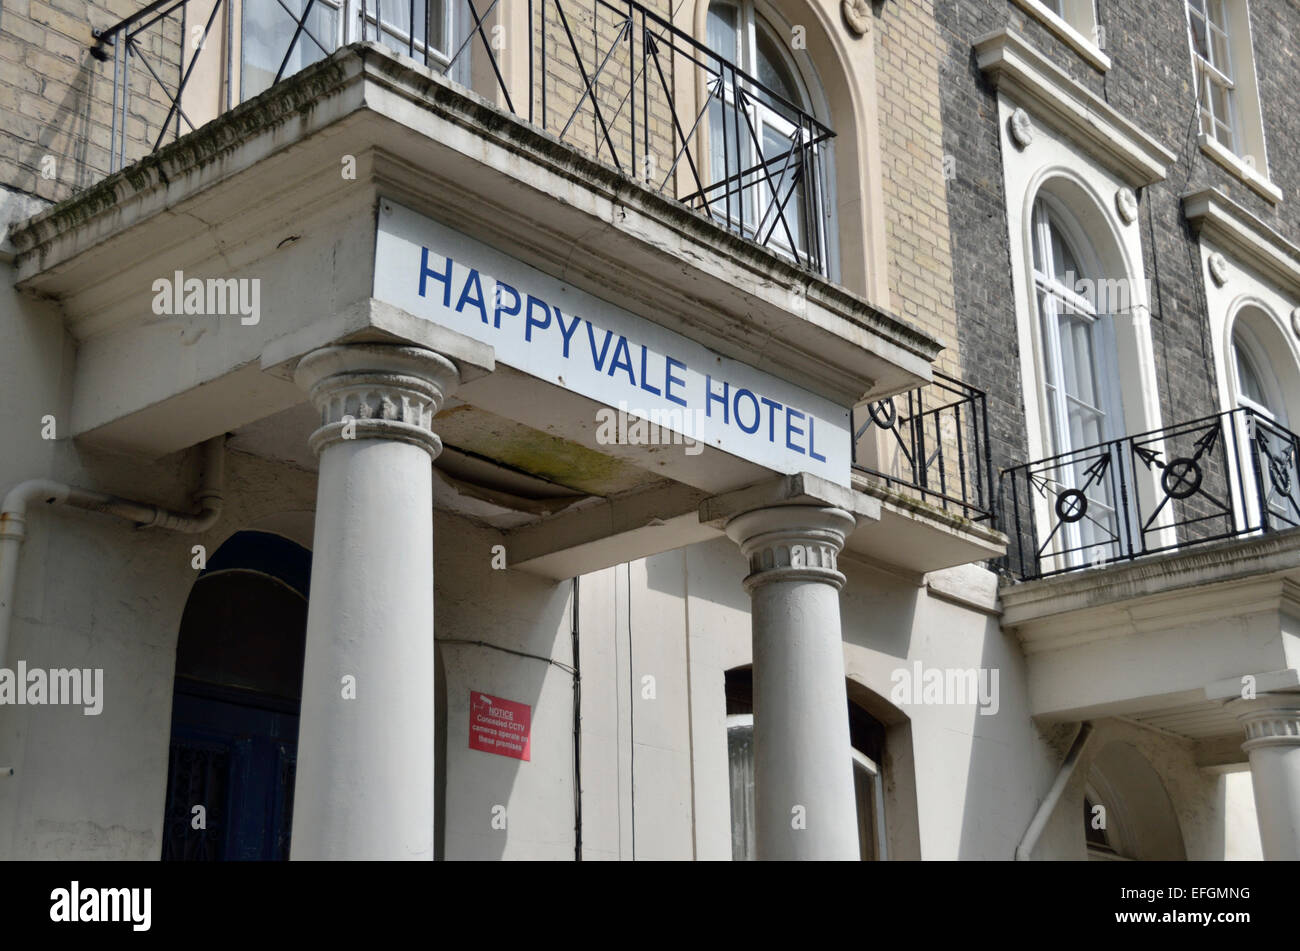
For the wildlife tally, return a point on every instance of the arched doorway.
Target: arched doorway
(235, 704)
(1127, 811)
(866, 749)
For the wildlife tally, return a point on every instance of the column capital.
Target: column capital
(1270, 720)
(791, 543)
(377, 391)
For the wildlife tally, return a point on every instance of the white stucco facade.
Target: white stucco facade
(741, 647)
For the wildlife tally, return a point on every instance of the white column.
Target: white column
(803, 773)
(364, 786)
(1272, 724)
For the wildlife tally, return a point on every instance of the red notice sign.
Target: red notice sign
(499, 726)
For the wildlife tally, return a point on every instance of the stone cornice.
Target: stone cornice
(1024, 75)
(1219, 219)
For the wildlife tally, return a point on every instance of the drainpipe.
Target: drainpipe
(1048, 805)
(13, 518)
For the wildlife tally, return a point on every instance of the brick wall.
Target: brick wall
(909, 57)
(600, 47)
(56, 100)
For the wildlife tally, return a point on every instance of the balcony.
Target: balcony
(925, 455)
(1224, 477)
(609, 78)
(930, 444)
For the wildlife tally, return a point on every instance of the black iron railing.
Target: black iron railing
(609, 77)
(933, 443)
(1224, 476)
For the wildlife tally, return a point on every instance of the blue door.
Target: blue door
(235, 705)
(236, 762)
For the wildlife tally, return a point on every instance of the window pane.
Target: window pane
(722, 30)
(864, 786)
(1219, 100)
(772, 70)
(1199, 41)
(777, 150)
(1078, 361)
(1066, 269)
(740, 751)
(1219, 47)
(266, 32)
(1248, 377)
(729, 154)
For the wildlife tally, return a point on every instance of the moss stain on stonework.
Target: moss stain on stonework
(560, 461)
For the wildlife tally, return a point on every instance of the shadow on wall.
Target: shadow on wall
(1141, 822)
(54, 150)
(506, 634)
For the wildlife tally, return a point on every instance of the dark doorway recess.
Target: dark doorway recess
(235, 704)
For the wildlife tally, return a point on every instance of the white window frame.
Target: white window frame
(400, 36)
(1209, 72)
(757, 194)
(1075, 23)
(1048, 209)
(860, 760)
(864, 761)
(348, 29)
(1244, 338)
(1246, 154)
(304, 41)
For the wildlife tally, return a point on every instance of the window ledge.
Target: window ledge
(1243, 170)
(1216, 217)
(1085, 47)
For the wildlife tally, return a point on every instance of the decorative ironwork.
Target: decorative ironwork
(932, 442)
(1211, 479)
(603, 75)
(198, 775)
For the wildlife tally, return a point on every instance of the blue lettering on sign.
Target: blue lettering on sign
(498, 310)
(591, 335)
(530, 321)
(472, 283)
(566, 332)
(444, 277)
(661, 375)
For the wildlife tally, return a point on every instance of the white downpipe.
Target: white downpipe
(1048, 805)
(13, 518)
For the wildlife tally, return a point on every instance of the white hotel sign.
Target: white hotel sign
(544, 327)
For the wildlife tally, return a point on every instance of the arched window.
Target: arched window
(765, 161)
(867, 744)
(1257, 388)
(1273, 470)
(1080, 377)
